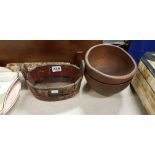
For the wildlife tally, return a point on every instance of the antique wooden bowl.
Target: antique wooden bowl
(54, 82)
(103, 88)
(109, 64)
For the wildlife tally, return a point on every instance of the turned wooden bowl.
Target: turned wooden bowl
(54, 82)
(103, 88)
(110, 64)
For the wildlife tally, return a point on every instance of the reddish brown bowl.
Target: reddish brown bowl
(110, 64)
(103, 88)
(54, 82)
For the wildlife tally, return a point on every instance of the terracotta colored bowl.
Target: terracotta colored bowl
(105, 89)
(54, 82)
(110, 64)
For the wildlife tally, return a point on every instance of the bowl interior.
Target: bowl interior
(45, 77)
(111, 60)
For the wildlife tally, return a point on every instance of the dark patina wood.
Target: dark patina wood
(49, 85)
(16, 51)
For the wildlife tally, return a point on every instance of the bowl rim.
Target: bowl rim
(122, 77)
(108, 84)
(53, 88)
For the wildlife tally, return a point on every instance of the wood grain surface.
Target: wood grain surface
(145, 92)
(147, 75)
(12, 51)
